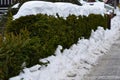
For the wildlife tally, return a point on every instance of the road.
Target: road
(108, 67)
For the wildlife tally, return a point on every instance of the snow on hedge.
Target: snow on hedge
(63, 9)
(75, 62)
(16, 5)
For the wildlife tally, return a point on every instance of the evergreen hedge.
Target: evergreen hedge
(15, 50)
(34, 37)
(35, 23)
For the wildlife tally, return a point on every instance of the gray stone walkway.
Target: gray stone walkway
(108, 67)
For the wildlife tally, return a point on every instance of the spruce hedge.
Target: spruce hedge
(15, 50)
(36, 23)
(34, 37)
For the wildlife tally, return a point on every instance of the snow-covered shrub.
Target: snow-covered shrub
(42, 25)
(45, 34)
(64, 31)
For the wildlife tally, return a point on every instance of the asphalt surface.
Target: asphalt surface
(108, 67)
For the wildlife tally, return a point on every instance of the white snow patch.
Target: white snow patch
(77, 61)
(16, 5)
(63, 9)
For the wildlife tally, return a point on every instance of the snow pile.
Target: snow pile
(63, 9)
(74, 63)
(117, 11)
(16, 5)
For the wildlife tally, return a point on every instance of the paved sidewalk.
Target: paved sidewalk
(108, 67)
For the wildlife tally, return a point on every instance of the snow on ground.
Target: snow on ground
(75, 62)
(63, 9)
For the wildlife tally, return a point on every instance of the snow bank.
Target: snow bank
(63, 9)
(74, 63)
